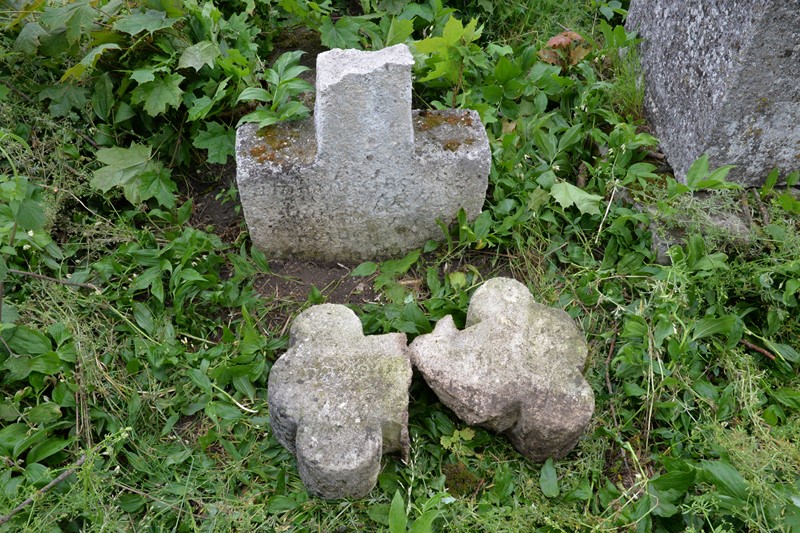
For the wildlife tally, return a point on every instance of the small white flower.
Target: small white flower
(135, 274)
(69, 275)
(194, 263)
(26, 246)
(30, 233)
(622, 147)
(610, 151)
(556, 168)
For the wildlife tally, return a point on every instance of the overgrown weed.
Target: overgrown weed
(155, 367)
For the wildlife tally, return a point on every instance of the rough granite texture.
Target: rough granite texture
(367, 178)
(516, 369)
(339, 400)
(723, 77)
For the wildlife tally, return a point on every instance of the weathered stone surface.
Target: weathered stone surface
(723, 77)
(368, 177)
(515, 369)
(339, 400)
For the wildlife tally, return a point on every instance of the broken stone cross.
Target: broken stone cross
(368, 178)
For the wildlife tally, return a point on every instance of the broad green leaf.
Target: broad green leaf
(143, 317)
(103, 97)
(547, 143)
(342, 34)
(424, 524)
(570, 137)
(121, 165)
(30, 215)
(364, 269)
(292, 111)
(567, 195)
(788, 397)
(76, 17)
(28, 39)
(398, 519)
(255, 93)
(156, 183)
(144, 75)
(63, 98)
(45, 449)
(27, 341)
(453, 31)
(130, 503)
(399, 31)
(697, 171)
(201, 107)
(505, 70)
(149, 21)
(87, 63)
(707, 327)
(159, 94)
(287, 60)
(280, 504)
(37, 474)
(11, 435)
(548, 479)
(726, 478)
(198, 55)
(678, 480)
(219, 140)
(43, 413)
(379, 512)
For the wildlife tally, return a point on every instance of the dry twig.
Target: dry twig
(64, 475)
(757, 348)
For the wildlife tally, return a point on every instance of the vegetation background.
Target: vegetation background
(138, 326)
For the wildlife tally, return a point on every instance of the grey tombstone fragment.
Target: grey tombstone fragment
(723, 77)
(339, 400)
(368, 178)
(515, 369)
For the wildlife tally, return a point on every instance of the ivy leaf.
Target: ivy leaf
(159, 94)
(548, 479)
(75, 17)
(219, 140)
(399, 31)
(28, 38)
(122, 165)
(149, 21)
(157, 184)
(343, 34)
(63, 98)
(198, 55)
(88, 62)
(567, 195)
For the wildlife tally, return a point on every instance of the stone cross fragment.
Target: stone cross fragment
(516, 369)
(339, 400)
(367, 178)
(723, 77)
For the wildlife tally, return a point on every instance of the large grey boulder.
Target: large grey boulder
(723, 77)
(339, 400)
(367, 178)
(515, 369)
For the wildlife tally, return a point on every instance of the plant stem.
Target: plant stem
(54, 280)
(64, 475)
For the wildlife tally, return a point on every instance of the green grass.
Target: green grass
(158, 378)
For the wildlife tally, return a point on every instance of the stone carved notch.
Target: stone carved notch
(367, 177)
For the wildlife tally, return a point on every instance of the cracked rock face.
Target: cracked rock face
(339, 400)
(515, 369)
